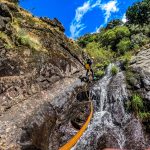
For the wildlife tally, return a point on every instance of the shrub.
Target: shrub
(132, 78)
(100, 54)
(99, 73)
(126, 57)
(108, 38)
(124, 45)
(114, 70)
(139, 39)
(122, 32)
(137, 103)
(6, 40)
(144, 115)
(113, 36)
(136, 29)
(102, 65)
(112, 24)
(85, 40)
(25, 39)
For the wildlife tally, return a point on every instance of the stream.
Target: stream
(111, 125)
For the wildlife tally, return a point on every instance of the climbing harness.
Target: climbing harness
(77, 136)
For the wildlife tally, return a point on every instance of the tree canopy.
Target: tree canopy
(139, 13)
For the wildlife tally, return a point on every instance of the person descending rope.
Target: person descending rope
(88, 67)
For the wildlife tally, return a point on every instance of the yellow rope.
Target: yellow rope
(75, 138)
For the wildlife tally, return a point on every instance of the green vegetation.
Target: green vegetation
(99, 73)
(114, 70)
(126, 57)
(26, 39)
(118, 40)
(137, 106)
(123, 46)
(6, 40)
(139, 13)
(102, 57)
(144, 115)
(100, 54)
(137, 103)
(130, 77)
(114, 23)
(113, 36)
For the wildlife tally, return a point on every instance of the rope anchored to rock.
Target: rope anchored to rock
(77, 136)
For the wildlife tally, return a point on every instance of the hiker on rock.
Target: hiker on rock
(88, 67)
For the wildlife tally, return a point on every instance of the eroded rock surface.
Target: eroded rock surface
(34, 54)
(39, 69)
(42, 101)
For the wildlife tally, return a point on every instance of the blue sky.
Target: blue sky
(79, 16)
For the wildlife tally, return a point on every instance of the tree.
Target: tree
(139, 13)
(113, 36)
(123, 46)
(114, 23)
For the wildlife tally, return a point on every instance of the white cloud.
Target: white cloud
(97, 30)
(80, 11)
(76, 25)
(124, 19)
(109, 7)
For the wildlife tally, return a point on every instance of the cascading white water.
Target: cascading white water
(102, 124)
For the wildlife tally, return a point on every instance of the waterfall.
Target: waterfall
(105, 129)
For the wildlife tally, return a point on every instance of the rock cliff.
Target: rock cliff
(34, 54)
(39, 69)
(42, 101)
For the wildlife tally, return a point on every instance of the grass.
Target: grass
(26, 39)
(99, 73)
(130, 77)
(6, 40)
(126, 57)
(144, 115)
(114, 70)
(137, 104)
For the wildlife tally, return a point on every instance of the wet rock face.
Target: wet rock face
(117, 97)
(140, 66)
(134, 135)
(112, 125)
(71, 116)
(39, 112)
(106, 141)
